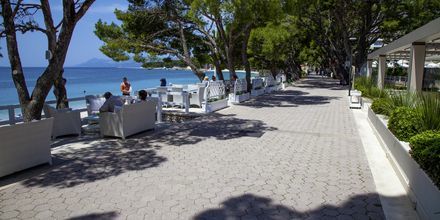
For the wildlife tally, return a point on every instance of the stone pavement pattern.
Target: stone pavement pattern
(294, 154)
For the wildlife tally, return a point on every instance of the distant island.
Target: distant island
(157, 64)
(96, 62)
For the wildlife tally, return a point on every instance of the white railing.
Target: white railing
(14, 119)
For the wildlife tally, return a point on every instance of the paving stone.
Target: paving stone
(294, 154)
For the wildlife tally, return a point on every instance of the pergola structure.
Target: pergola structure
(418, 46)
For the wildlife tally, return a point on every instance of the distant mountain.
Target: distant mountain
(96, 62)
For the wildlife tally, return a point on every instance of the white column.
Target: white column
(417, 66)
(369, 68)
(382, 68)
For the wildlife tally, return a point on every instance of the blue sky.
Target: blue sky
(84, 45)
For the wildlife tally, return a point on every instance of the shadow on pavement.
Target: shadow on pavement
(288, 98)
(94, 158)
(249, 206)
(214, 125)
(93, 216)
(317, 82)
(99, 160)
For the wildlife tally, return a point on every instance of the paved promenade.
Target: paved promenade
(294, 154)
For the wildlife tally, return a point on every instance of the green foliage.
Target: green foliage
(425, 149)
(381, 106)
(396, 71)
(404, 122)
(403, 98)
(428, 106)
(368, 87)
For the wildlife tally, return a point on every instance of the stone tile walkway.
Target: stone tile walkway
(294, 154)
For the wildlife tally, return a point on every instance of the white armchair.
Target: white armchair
(197, 97)
(163, 92)
(176, 92)
(66, 121)
(94, 103)
(131, 119)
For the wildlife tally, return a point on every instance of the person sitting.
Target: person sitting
(213, 78)
(142, 95)
(111, 102)
(234, 78)
(125, 87)
(163, 82)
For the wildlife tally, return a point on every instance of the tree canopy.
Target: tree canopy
(271, 35)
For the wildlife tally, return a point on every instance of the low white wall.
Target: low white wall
(421, 190)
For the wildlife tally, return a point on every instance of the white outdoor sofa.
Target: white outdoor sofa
(130, 119)
(66, 121)
(239, 92)
(25, 145)
(257, 87)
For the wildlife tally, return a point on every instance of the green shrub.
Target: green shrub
(403, 98)
(368, 87)
(428, 106)
(404, 122)
(375, 92)
(381, 106)
(425, 149)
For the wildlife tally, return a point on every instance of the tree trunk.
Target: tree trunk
(230, 60)
(245, 59)
(32, 105)
(60, 93)
(218, 67)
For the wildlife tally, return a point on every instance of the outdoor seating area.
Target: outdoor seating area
(131, 118)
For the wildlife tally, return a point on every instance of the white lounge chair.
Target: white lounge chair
(131, 119)
(66, 121)
(257, 87)
(239, 92)
(269, 83)
(214, 97)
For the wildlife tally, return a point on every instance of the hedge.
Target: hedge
(404, 122)
(425, 149)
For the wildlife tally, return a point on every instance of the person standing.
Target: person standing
(163, 82)
(125, 87)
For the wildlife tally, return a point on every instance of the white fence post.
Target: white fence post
(186, 100)
(159, 108)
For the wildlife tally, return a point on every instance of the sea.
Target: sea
(83, 81)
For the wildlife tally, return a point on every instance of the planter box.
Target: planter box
(215, 106)
(421, 190)
(257, 92)
(25, 145)
(270, 89)
(233, 99)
